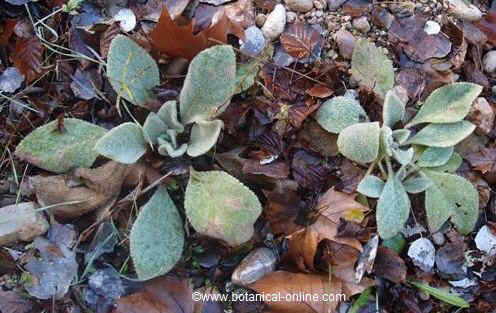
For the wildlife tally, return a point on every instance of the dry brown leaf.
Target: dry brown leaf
(483, 161)
(28, 58)
(11, 302)
(179, 40)
(286, 283)
(332, 206)
(390, 265)
(99, 189)
(169, 294)
(320, 91)
(300, 39)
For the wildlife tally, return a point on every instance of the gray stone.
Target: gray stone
(464, 10)
(254, 42)
(274, 25)
(335, 4)
(361, 24)
(422, 253)
(21, 222)
(489, 62)
(254, 266)
(485, 241)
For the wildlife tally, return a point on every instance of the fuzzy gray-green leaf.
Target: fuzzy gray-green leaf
(124, 143)
(209, 84)
(360, 142)
(157, 237)
(168, 114)
(393, 208)
(417, 184)
(59, 151)
(448, 104)
(403, 156)
(401, 135)
(204, 135)
(451, 166)
(371, 186)
(153, 128)
(371, 67)
(220, 206)
(132, 72)
(393, 109)
(451, 196)
(434, 156)
(340, 112)
(442, 135)
(246, 74)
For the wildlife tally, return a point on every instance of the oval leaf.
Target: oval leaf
(203, 137)
(451, 166)
(218, 205)
(371, 186)
(360, 142)
(451, 196)
(124, 143)
(209, 84)
(132, 72)
(393, 109)
(417, 184)
(401, 135)
(371, 67)
(59, 151)
(157, 237)
(153, 128)
(393, 208)
(434, 156)
(340, 112)
(448, 104)
(442, 135)
(168, 114)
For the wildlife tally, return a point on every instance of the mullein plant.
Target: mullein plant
(418, 157)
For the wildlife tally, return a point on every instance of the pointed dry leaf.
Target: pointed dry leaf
(448, 104)
(340, 112)
(220, 206)
(132, 72)
(209, 84)
(124, 143)
(59, 151)
(371, 67)
(157, 237)
(360, 142)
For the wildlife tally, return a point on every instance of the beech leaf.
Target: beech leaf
(448, 104)
(58, 151)
(340, 112)
(451, 196)
(124, 143)
(442, 135)
(132, 72)
(371, 67)
(220, 206)
(434, 156)
(157, 237)
(209, 84)
(371, 186)
(393, 208)
(204, 136)
(360, 142)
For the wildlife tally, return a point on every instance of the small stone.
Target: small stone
(335, 4)
(438, 238)
(127, 19)
(432, 28)
(21, 222)
(319, 5)
(254, 266)
(260, 19)
(463, 283)
(11, 80)
(382, 18)
(274, 25)
(346, 43)
(485, 241)
(300, 5)
(254, 42)
(464, 10)
(489, 62)
(482, 115)
(361, 24)
(422, 253)
(290, 17)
